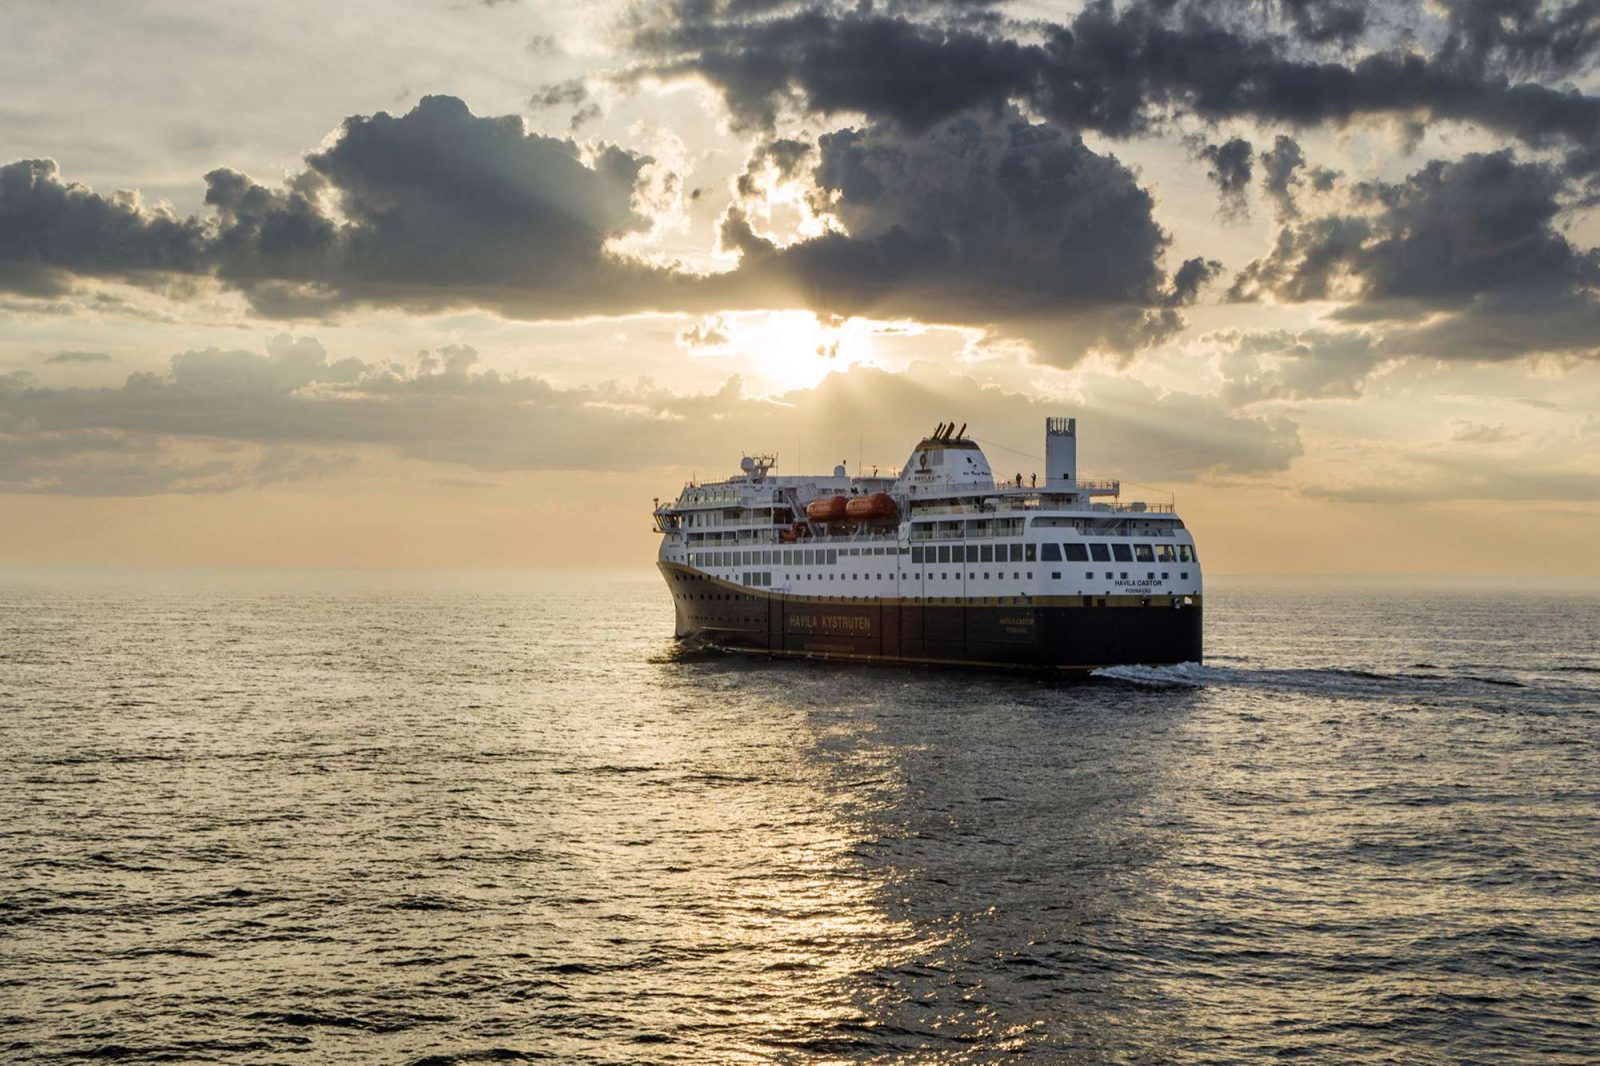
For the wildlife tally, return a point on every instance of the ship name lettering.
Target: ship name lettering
(830, 623)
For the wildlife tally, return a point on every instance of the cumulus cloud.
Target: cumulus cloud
(1475, 239)
(987, 220)
(294, 412)
(434, 208)
(51, 229)
(981, 219)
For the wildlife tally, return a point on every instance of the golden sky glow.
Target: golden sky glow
(551, 264)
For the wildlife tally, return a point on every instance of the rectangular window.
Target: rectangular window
(972, 553)
(986, 554)
(1076, 553)
(1030, 553)
(944, 553)
(1100, 553)
(916, 555)
(833, 556)
(1121, 553)
(1016, 553)
(1166, 554)
(1187, 554)
(810, 557)
(1144, 553)
(1050, 553)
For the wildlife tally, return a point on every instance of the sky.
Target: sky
(452, 283)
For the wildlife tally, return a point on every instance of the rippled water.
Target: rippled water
(441, 818)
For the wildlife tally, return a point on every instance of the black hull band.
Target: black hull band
(1066, 633)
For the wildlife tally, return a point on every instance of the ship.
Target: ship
(938, 562)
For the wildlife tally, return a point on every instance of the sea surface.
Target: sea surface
(433, 818)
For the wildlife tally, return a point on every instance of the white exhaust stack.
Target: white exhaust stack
(1060, 451)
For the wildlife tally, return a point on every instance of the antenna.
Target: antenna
(962, 432)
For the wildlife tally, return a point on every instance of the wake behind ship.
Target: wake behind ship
(939, 563)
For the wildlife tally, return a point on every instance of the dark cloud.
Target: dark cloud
(217, 420)
(1279, 173)
(783, 156)
(1189, 279)
(50, 228)
(1322, 21)
(1116, 70)
(1475, 236)
(981, 220)
(434, 208)
(1525, 37)
(1230, 169)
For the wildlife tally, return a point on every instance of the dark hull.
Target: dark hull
(1049, 632)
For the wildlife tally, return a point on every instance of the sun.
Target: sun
(787, 350)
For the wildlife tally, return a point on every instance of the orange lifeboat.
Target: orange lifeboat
(826, 509)
(877, 507)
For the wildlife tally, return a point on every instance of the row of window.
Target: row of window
(1072, 552)
(1050, 552)
(764, 579)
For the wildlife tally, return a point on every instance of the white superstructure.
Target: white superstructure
(956, 533)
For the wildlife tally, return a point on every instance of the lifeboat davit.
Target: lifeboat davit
(826, 509)
(877, 507)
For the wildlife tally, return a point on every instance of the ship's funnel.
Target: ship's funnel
(1060, 451)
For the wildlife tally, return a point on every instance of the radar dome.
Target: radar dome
(747, 464)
